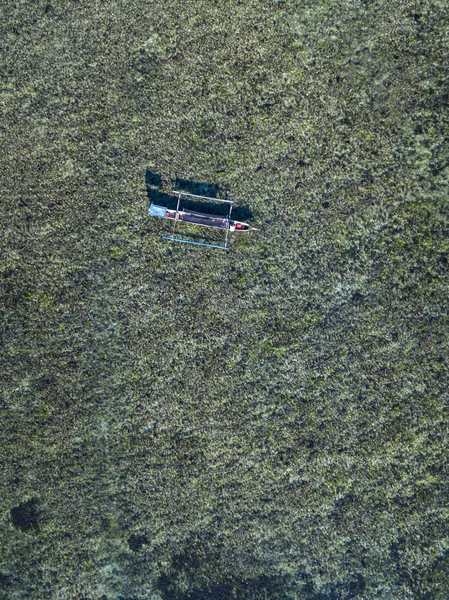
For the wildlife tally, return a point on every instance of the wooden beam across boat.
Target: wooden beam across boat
(203, 197)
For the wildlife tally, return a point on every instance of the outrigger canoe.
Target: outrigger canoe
(198, 218)
(183, 215)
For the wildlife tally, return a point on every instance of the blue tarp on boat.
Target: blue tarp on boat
(157, 211)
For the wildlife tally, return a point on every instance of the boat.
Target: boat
(224, 223)
(198, 218)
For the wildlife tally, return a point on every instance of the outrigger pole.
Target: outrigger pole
(205, 197)
(173, 239)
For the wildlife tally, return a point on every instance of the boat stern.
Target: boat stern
(157, 211)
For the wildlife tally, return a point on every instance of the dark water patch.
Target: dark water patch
(353, 589)
(136, 542)
(198, 572)
(210, 190)
(25, 516)
(421, 582)
(152, 179)
(275, 588)
(357, 298)
(199, 188)
(5, 581)
(161, 198)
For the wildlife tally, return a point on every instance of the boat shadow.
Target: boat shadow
(157, 196)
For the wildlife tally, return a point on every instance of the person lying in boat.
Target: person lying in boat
(233, 226)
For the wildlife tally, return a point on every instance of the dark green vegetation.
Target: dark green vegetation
(184, 424)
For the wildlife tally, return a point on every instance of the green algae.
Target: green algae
(187, 424)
